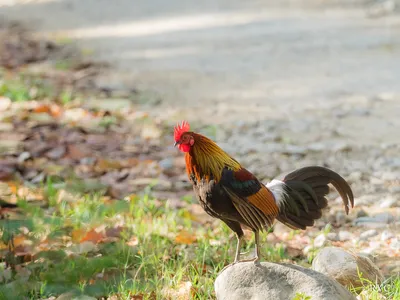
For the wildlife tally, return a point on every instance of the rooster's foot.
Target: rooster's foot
(256, 261)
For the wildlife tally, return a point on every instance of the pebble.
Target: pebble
(361, 213)
(384, 217)
(340, 218)
(395, 244)
(345, 236)
(368, 234)
(366, 199)
(386, 235)
(307, 249)
(373, 246)
(320, 241)
(377, 221)
(166, 163)
(23, 156)
(391, 176)
(332, 236)
(394, 189)
(87, 161)
(388, 202)
(345, 266)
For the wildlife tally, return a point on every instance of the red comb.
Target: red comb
(179, 129)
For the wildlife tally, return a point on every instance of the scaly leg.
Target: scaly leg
(237, 229)
(238, 246)
(237, 255)
(257, 247)
(256, 258)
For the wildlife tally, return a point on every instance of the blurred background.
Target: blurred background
(90, 91)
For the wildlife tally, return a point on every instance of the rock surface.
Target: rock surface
(345, 267)
(276, 281)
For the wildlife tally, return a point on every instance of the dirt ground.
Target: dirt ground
(288, 85)
(221, 62)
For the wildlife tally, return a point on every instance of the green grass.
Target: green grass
(390, 289)
(25, 87)
(153, 257)
(156, 264)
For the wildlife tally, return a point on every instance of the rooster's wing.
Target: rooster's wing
(255, 202)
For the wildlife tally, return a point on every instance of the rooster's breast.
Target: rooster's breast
(215, 201)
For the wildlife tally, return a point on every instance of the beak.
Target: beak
(176, 143)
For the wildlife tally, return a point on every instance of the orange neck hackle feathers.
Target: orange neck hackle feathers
(207, 160)
(204, 158)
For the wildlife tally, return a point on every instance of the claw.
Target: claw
(255, 259)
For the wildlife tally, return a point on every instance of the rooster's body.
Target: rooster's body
(231, 193)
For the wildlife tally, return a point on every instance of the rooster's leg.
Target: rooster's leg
(256, 258)
(238, 246)
(257, 247)
(235, 226)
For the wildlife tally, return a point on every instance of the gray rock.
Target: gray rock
(367, 200)
(384, 217)
(368, 234)
(331, 236)
(166, 163)
(376, 221)
(389, 201)
(386, 235)
(340, 218)
(320, 241)
(395, 244)
(345, 267)
(391, 176)
(345, 236)
(361, 213)
(276, 282)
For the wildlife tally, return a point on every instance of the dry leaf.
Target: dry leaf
(77, 152)
(13, 187)
(136, 297)
(5, 103)
(81, 248)
(185, 237)
(19, 240)
(133, 242)
(77, 235)
(114, 232)
(42, 108)
(104, 165)
(93, 236)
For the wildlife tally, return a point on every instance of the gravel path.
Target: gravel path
(224, 61)
(290, 86)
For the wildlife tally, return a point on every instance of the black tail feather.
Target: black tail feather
(301, 195)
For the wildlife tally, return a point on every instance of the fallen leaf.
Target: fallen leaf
(93, 236)
(9, 147)
(42, 108)
(5, 103)
(77, 235)
(104, 165)
(133, 242)
(81, 248)
(6, 171)
(185, 237)
(78, 151)
(56, 152)
(114, 232)
(19, 240)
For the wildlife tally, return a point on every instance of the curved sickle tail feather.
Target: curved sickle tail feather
(300, 196)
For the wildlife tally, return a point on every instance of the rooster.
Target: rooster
(231, 193)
